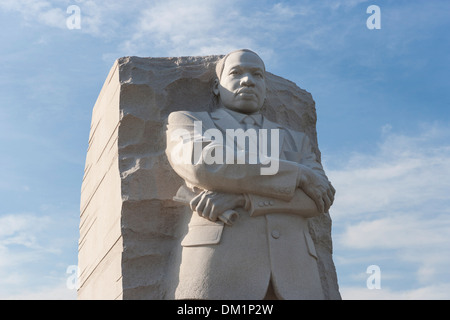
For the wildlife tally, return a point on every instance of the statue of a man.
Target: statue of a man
(267, 251)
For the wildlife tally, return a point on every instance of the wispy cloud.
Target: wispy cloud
(404, 173)
(19, 246)
(58, 291)
(29, 247)
(203, 27)
(415, 230)
(432, 292)
(176, 27)
(391, 208)
(37, 11)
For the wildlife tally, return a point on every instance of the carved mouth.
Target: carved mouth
(246, 92)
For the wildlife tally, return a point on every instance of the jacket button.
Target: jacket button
(275, 234)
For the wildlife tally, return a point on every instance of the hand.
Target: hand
(317, 187)
(210, 205)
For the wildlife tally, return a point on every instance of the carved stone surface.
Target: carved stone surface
(130, 228)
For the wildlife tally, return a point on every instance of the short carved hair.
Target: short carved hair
(221, 63)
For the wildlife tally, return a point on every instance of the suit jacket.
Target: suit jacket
(269, 242)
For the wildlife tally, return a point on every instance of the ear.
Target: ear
(216, 87)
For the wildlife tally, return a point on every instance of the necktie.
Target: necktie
(252, 147)
(250, 123)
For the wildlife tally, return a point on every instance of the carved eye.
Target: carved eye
(234, 72)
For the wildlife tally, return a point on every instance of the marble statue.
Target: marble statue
(251, 184)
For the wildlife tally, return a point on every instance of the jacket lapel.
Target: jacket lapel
(269, 125)
(223, 121)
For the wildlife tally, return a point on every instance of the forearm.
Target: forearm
(241, 178)
(188, 156)
(300, 204)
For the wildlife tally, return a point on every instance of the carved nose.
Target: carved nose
(247, 81)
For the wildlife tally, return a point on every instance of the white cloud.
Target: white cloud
(404, 174)
(21, 229)
(417, 230)
(31, 256)
(336, 4)
(392, 208)
(201, 27)
(204, 27)
(21, 246)
(99, 18)
(37, 11)
(59, 291)
(196, 27)
(432, 292)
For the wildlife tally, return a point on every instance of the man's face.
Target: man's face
(242, 86)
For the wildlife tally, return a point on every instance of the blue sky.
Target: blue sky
(382, 99)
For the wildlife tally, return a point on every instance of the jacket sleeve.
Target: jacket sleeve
(300, 204)
(186, 146)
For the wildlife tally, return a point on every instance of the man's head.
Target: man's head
(240, 82)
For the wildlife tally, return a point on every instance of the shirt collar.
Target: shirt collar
(240, 116)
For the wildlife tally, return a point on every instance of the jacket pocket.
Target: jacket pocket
(200, 235)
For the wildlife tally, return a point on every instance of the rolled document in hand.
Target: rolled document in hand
(229, 217)
(185, 195)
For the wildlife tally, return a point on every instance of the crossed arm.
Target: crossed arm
(211, 204)
(297, 187)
